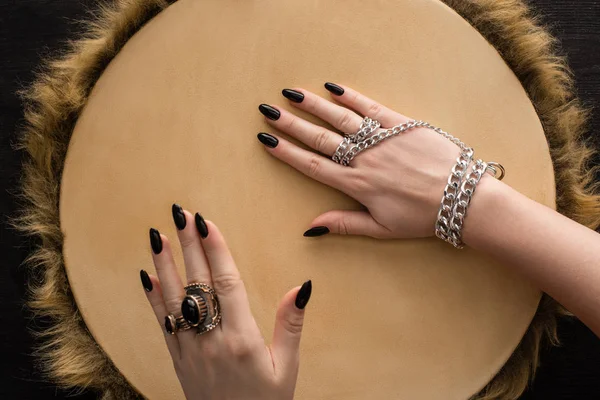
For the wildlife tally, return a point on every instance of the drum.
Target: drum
(159, 105)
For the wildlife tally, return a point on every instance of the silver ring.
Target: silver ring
(341, 149)
(367, 127)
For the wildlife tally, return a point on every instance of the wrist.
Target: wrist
(486, 205)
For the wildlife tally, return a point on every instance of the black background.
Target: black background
(31, 29)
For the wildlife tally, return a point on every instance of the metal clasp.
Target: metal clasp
(494, 167)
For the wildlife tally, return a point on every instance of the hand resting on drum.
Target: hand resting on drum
(400, 181)
(231, 360)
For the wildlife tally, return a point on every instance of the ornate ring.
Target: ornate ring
(200, 308)
(367, 127)
(341, 149)
(175, 324)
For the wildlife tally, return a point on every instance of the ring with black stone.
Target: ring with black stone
(200, 307)
(194, 309)
(175, 324)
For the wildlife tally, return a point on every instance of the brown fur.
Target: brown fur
(69, 354)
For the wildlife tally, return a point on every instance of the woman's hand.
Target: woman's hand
(231, 361)
(400, 181)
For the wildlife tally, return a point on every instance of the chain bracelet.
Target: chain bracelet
(382, 135)
(462, 201)
(451, 192)
(459, 189)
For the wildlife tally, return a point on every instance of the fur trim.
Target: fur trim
(68, 353)
(532, 54)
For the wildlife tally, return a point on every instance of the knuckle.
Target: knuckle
(227, 283)
(291, 122)
(321, 140)
(187, 241)
(314, 104)
(314, 167)
(173, 307)
(375, 110)
(344, 121)
(293, 323)
(343, 225)
(238, 346)
(354, 98)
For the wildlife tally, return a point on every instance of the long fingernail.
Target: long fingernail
(317, 231)
(201, 225)
(293, 95)
(269, 112)
(268, 140)
(335, 89)
(303, 295)
(178, 216)
(155, 241)
(146, 282)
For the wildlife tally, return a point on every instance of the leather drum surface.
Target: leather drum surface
(174, 119)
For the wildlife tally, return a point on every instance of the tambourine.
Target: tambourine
(157, 104)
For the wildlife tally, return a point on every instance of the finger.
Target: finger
(340, 117)
(311, 164)
(289, 320)
(155, 298)
(349, 223)
(172, 288)
(233, 299)
(196, 265)
(365, 106)
(319, 138)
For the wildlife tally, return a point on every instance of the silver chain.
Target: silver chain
(367, 127)
(459, 189)
(462, 201)
(384, 134)
(443, 226)
(341, 149)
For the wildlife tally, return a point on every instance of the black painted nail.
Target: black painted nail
(303, 295)
(293, 95)
(335, 89)
(178, 216)
(268, 140)
(201, 225)
(146, 282)
(317, 231)
(269, 112)
(155, 241)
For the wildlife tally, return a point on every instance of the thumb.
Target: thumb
(348, 223)
(285, 347)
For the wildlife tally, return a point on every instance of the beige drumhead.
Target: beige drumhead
(174, 119)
